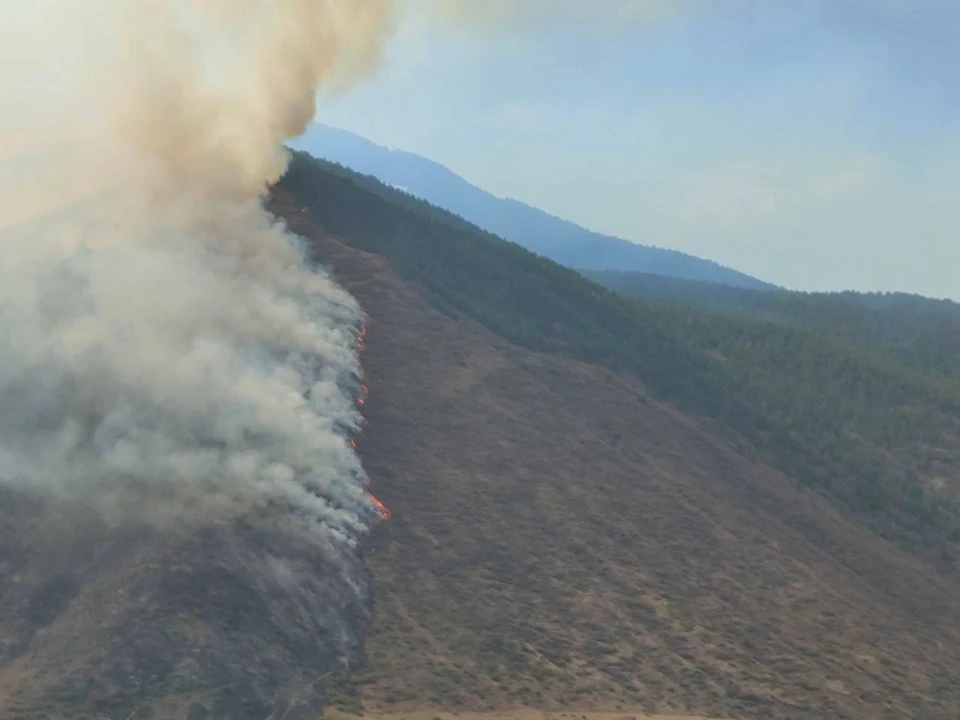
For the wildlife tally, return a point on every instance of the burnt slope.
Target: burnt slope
(230, 622)
(560, 537)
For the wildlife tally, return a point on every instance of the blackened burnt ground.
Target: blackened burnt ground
(229, 622)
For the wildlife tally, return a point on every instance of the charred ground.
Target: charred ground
(228, 623)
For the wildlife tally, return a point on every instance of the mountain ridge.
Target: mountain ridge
(558, 239)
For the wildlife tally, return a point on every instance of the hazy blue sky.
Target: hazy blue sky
(813, 143)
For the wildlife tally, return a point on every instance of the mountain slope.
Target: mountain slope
(560, 240)
(563, 538)
(880, 439)
(586, 516)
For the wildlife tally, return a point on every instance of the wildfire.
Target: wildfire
(382, 510)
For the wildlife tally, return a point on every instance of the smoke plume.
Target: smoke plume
(493, 13)
(166, 352)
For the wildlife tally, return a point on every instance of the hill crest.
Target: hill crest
(560, 240)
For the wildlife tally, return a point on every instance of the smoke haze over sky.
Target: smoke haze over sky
(814, 144)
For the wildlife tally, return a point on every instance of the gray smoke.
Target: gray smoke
(166, 353)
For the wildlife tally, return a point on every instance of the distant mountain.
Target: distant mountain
(560, 240)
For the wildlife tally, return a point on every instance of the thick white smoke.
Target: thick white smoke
(165, 351)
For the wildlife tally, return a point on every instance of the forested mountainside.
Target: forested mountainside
(598, 506)
(561, 240)
(876, 436)
(916, 331)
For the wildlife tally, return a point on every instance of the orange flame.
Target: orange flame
(385, 513)
(382, 509)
